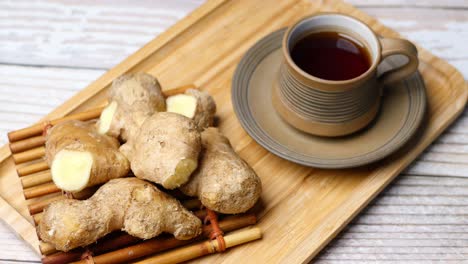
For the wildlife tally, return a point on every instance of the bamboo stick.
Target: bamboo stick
(40, 190)
(46, 248)
(114, 242)
(26, 144)
(33, 168)
(108, 244)
(37, 218)
(29, 155)
(37, 129)
(147, 247)
(38, 207)
(36, 179)
(204, 248)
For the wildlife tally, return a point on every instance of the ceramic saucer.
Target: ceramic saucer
(401, 113)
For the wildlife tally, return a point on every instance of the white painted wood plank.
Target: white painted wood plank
(461, 126)
(404, 3)
(437, 30)
(97, 35)
(12, 247)
(29, 93)
(454, 138)
(436, 230)
(389, 219)
(425, 180)
(90, 35)
(446, 210)
(16, 262)
(448, 147)
(438, 169)
(415, 220)
(370, 260)
(410, 200)
(410, 236)
(352, 261)
(457, 257)
(422, 190)
(419, 219)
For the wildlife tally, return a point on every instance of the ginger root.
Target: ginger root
(194, 104)
(79, 157)
(223, 182)
(132, 98)
(129, 204)
(165, 150)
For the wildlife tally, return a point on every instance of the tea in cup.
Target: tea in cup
(327, 84)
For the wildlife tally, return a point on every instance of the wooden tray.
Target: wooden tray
(302, 208)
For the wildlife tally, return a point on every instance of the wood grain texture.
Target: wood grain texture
(97, 35)
(416, 20)
(82, 34)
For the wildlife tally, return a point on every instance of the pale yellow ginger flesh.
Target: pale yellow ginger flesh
(129, 204)
(106, 117)
(182, 173)
(80, 157)
(71, 169)
(182, 104)
(136, 97)
(223, 181)
(165, 150)
(194, 104)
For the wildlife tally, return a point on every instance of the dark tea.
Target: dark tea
(331, 56)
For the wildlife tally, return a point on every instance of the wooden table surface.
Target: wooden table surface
(50, 49)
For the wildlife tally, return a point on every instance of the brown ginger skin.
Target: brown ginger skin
(129, 204)
(194, 104)
(137, 96)
(223, 181)
(75, 139)
(165, 150)
(206, 108)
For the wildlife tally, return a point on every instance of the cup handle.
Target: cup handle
(392, 46)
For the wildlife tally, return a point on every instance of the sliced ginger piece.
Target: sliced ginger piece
(183, 104)
(194, 104)
(182, 173)
(133, 97)
(106, 118)
(79, 156)
(71, 169)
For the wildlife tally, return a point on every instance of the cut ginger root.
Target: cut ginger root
(132, 99)
(71, 169)
(79, 157)
(223, 181)
(182, 104)
(165, 150)
(194, 104)
(129, 204)
(106, 117)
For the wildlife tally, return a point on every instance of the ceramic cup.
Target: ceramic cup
(336, 108)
